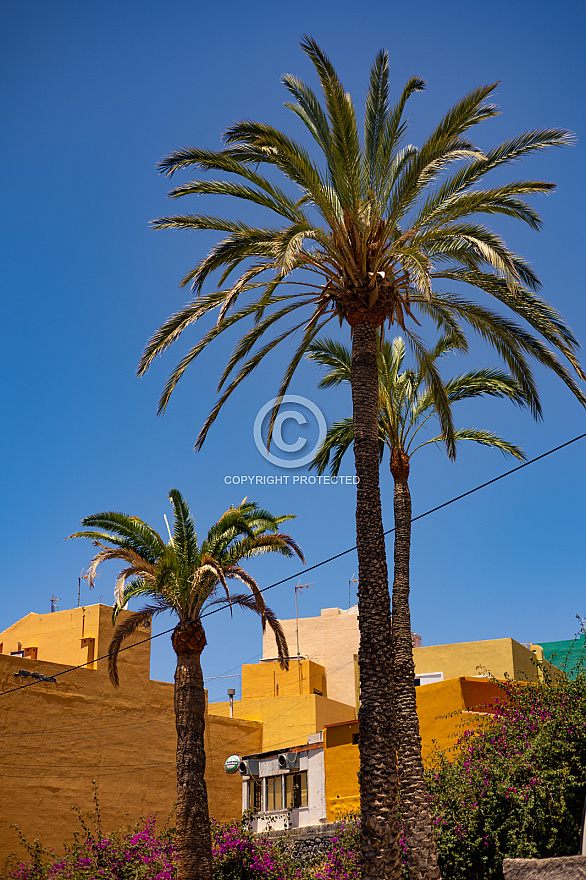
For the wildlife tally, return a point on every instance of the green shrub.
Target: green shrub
(516, 787)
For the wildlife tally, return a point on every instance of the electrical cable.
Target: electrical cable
(303, 572)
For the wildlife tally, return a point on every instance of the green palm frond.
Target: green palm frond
(125, 531)
(182, 576)
(485, 438)
(310, 112)
(364, 218)
(184, 536)
(339, 438)
(333, 354)
(276, 201)
(514, 344)
(344, 141)
(409, 398)
(122, 632)
(376, 115)
(486, 382)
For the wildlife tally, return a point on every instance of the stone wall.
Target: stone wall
(308, 842)
(562, 868)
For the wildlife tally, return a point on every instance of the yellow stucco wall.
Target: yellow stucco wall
(330, 640)
(263, 680)
(499, 657)
(69, 637)
(287, 720)
(56, 737)
(342, 763)
(285, 702)
(470, 697)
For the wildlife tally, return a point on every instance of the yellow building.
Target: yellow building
(332, 640)
(470, 697)
(67, 730)
(290, 706)
(454, 693)
(56, 736)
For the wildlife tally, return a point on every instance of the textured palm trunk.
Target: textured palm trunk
(194, 846)
(416, 818)
(380, 854)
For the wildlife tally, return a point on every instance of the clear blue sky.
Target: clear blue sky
(93, 95)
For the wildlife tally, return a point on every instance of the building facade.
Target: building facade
(294, 732)
(65, 731)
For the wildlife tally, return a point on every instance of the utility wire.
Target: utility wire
(304, 571)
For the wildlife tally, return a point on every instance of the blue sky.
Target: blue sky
(92, 96)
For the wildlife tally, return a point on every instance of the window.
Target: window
(428, 678)
(274, 793)
(255, 795)
(296, 790)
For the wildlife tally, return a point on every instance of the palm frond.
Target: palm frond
(184, 536)
(332, 354)
(338, 440)
(485, 438)
(122, 632)
(309, 109)
(345, 144)
(376, 114)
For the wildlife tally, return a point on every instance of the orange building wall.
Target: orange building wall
(55, 738)
(468, 698)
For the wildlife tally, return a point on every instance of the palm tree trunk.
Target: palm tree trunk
(380, 855)
(194, 845)
(416, 819)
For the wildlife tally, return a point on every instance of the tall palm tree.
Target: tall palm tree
(186, 577)
(370, 230)
(406, 406)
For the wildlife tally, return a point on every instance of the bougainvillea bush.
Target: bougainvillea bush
(516, 787)
(145, 852)
(342, 861)
(239, 854)
(138, 852)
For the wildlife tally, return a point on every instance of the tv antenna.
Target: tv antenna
(299, 586)
(82, 577)
(353, 580)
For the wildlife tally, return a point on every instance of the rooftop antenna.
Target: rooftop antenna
(82, 577)
(53, 605)
(299, 586)
(353, 580)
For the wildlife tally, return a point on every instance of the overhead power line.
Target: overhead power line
(304, 571)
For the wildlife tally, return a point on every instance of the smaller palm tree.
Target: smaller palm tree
(186, 577)
(406, 404)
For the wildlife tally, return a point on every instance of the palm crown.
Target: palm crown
(182, 575)
(381, 228)
(406, 402)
